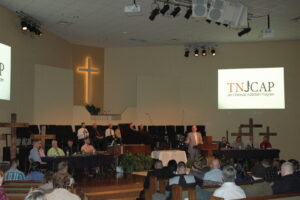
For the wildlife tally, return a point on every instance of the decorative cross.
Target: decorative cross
(88, 70)
(13, 125)
(240, 133)
(251, 125)
(208, 146)
(268, 133)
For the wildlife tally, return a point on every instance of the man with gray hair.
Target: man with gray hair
(288, 182)
(229, 190)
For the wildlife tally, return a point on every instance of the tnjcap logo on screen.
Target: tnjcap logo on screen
(5, 63)
(251, 88)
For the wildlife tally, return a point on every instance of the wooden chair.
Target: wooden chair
(177, 192)
(152, 188)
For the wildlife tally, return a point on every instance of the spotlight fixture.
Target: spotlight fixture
(154, 13)
(24, 25)
(204, 53)
(208, 21)
(213, 52)
(186, 53)
(244, 31)
(196, 52)
(218, 23)
(188, 13)
(175, 11)
(165, 9)
(226, 25)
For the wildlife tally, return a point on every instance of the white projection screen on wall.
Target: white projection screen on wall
(5, 67)
(251, 88)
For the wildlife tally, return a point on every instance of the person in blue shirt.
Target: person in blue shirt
(35, 173)
(214, 175)
(34, 154)
(13, 174)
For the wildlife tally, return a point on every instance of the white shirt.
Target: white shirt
(229, 191)
(109, 132)
(61, 193)
(82, 133)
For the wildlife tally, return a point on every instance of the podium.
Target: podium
(42, 137)
(208, 147)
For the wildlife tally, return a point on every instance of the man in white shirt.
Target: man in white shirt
(229, 190)
(109, 131)
(193, 139)
(82, 133)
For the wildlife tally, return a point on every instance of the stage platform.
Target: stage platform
(111, 186)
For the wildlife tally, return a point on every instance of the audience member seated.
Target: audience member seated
(62, 168)
(61, 184)
(170, 170)
(214, 175)
(13, 174)
(241, 173)
(229, 190)
(224, 144)
(238, 144)
(48, 184)
(2, 193)
(271, 173)
(181, 179)
(70, 149)
(157, 171)
(55, 150)
(35, 195)
(251, 144)
(34, 155)
(258, 186)
(35, 173)
(199, 169)
(288, 182)
(87, 148)
(296, 166)
(265, 144)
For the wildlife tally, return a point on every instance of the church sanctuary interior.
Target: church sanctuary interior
(149, 99)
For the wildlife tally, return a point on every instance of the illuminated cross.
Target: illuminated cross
(88, 70)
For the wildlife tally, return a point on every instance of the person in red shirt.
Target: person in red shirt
(265, 144)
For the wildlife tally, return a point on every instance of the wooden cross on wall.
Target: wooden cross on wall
(268, 133)
(13, 125)
(251, 126)
(240, 133)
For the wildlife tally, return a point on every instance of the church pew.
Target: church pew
(277, 196)
(177, 192)
(155, 185)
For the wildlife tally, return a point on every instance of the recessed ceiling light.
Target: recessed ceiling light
(124, 32)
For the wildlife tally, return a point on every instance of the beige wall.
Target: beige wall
(132, 75)
(80, 53)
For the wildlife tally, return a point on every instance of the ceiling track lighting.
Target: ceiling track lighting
(188, 13)
(175, 12)
(154, 13)
(165, 9)
(29, 24)
(244, 31)
(206, 50)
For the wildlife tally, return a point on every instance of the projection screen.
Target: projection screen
(251, 88)
(5, 68)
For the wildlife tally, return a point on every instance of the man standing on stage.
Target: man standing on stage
(82, 134)
(193, 139)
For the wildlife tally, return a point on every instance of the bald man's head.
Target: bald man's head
(215, 164)
(287, 168)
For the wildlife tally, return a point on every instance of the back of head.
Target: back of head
(14, 162)
(215, 164)
(172, 165)
(228, 173)
(62, 167)
(35, 195)
(61, 180)
(287, 168)
(158, 164)
(266, 162)
(181, 168)
(295, 164)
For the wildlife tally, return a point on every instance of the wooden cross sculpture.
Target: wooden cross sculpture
(208, 147)
(13, 125)
(251, 125)
(240, 133)
(268, 133)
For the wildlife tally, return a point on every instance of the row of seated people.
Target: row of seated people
(54, 186)
(37, 152)
(250, 144)
(230, 183)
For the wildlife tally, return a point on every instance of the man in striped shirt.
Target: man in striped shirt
(13, 174)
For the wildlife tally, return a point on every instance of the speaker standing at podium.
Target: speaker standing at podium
(193, 139)
(82, 134)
